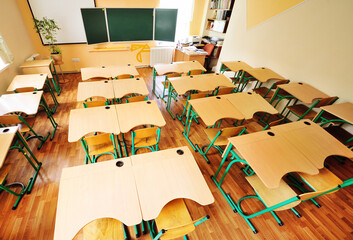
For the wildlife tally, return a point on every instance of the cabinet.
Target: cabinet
(218, 15)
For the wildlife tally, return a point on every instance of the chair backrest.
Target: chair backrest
(222, 91)
(98, 139)
(232, 131)
(281, 82)
(123, 76)
(136, 99)
(96, 79)
(326, 101)
(199, 95)
(172, 74)
(9, 119)
(96, 102)
(195, 72)
(24, 89)
(208, 48)
(103, 228)
(146, 132)
(276, 122)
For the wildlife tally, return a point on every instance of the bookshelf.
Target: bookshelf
(218, 15)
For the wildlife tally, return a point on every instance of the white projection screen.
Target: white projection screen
(67, 15)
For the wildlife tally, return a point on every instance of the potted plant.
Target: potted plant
(47, 28)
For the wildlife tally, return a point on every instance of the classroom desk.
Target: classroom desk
(166, 175)
(142, 186)
(90, 192)
(300, 146)
(343, 111)
(28, 103)
(202, 82)
(7, 135)
(116, 70)
(234, 66)
(187, 55)
(127, 86)
(20, 102)
(249, 103)
(135, 114)
(108, 71)
(264, 74)
(95, 72)
(210, 110)
(96, 119)
(95, 89)
(298, 91)
(180, 67)
(36, 81)
(302, 91)
(43, 66)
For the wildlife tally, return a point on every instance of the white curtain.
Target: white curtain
(185, 15)
(6, 56)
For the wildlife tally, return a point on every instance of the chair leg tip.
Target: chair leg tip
(318, 206)
(255, 231)
(14, 208)
(280, 224)
(299, 216)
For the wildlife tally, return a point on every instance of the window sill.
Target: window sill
(3, 68)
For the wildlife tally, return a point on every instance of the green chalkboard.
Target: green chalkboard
(165, 24)
(95, 26)
(130, 24)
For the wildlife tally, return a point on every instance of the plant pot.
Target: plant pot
(57, 58)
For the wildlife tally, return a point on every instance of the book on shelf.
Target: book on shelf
(221, 4)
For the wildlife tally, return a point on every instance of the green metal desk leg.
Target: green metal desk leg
(55, 78)
(52, 95)
(318, 116)
(154, 82)
(187, 127)
(169, 100)
(50, 116)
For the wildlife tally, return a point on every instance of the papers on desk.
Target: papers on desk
(192, 50)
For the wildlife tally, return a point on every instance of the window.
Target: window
(185, 15)
(6, 57)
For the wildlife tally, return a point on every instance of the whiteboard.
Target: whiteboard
(67, 15)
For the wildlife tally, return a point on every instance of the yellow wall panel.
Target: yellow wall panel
(259, 11)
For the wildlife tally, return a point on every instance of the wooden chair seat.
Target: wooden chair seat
(3, 172)
(341, 134)
(175, 214)
(104, 228)
(325, 180)
(300, 110)
(254, 126)
(211, 134)
(100, 148)
(144, 142)
(273, 196)
(263, 90)
(23, 127)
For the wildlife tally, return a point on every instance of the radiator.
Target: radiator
(161, 55)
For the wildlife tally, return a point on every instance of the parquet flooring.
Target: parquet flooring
(35, 216)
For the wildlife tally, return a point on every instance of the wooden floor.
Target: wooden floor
(35, 216)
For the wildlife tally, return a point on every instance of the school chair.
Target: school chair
(166, 86)
(223, 91)
(95, 102)
(302, 111)
(284, 197)
(219, 137)
(174, 221)
(99, 145)
(266, 92)
(26, 125)
(209, 49)
(124, 76)
(192, 95)
(136, 99)
(145, 138)
(254, 125)
(195, 72)
(105, 228)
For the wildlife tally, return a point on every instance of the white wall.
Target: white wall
(311, 43)
(15, 34)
